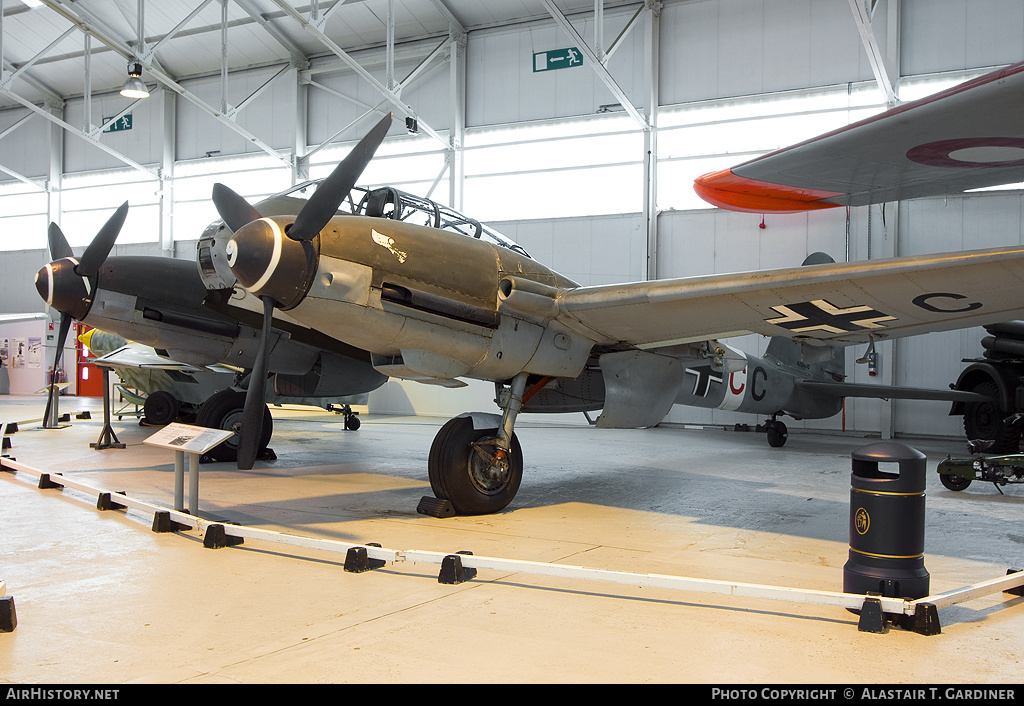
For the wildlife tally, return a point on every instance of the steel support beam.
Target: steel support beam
(167, 159)
(862, 17)
(91, 26)
(652, 51)
(596, 64)
(75, 131)
(316, 29)
(457, 134)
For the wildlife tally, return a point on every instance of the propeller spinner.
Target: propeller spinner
(276, 261)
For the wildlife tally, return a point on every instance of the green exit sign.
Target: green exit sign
(122, 123)
(557, 59)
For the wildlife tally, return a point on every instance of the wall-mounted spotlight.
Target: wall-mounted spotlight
(134, 87)
(411, 127)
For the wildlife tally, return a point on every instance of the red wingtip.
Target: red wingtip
(735, 193)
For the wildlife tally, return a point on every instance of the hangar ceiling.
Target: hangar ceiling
(44, 48)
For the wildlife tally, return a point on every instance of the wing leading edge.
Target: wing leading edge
(967, 137)
(837, 304)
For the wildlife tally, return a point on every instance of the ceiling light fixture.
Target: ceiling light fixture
(134, 87)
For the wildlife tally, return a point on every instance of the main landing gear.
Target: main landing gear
(777, 432)
(476, 464)
(224, 410)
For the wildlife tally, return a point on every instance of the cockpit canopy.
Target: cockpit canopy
(382, 202)
(389, 202)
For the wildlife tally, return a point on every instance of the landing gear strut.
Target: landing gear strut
(777, 432)
(478, 466)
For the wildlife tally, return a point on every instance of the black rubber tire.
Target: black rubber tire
(161, 408)
(223, 410)
(450, 469)
(953, 482)
(352, 423)
(777, 434)
(984, 420)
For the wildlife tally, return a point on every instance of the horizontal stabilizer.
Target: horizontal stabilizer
(888, 392)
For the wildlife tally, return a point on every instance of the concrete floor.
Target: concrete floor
(100, 598)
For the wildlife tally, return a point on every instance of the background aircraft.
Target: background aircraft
(169, 390)
(432, 305)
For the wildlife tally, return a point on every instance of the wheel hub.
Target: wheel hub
(488, 466)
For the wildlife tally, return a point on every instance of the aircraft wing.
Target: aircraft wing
(134, 355)
(967, 137)
(18, 318)
(837, 304)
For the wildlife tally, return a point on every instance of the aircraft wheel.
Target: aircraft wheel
(954, 482)
(777, 434)
(161, 408)
(223, 410)
(352, 423)
(462, 470)
(984, 420)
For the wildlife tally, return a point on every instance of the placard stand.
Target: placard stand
(194, 441)
(108, 439)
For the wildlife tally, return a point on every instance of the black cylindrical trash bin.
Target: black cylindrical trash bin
(887, 523)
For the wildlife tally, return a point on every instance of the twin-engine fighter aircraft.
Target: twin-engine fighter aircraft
(435, 306)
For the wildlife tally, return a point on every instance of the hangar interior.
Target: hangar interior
(589, 167)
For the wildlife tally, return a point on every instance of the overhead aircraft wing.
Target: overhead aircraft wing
(824, 304)
(967, 137)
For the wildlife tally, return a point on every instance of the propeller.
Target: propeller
(59, 247)
(96, 254)
(261, 255)
(252, 413)
(324, 202)
(62, 334)
(233, 209)
(68, 285)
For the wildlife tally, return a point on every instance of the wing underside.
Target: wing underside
(836, 304)
(967, 137)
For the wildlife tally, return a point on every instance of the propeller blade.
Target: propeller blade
(324, 203)
(62, 335)
(59, 247)
(234, 210)
(100, 246)
(256, 395)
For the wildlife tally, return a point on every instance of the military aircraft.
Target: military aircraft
(166, 304)
(434, 305)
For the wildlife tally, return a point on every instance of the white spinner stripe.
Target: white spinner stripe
(49, 283)
(275, 257)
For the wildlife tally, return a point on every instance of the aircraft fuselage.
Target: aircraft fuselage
(426, 303)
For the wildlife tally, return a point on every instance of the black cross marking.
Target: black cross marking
(821, 315)
(704, 377)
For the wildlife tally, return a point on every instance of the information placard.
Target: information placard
(187, 438)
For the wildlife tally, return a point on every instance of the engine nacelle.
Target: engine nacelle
(332, 375)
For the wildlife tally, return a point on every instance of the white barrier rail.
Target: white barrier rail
(923, 610)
